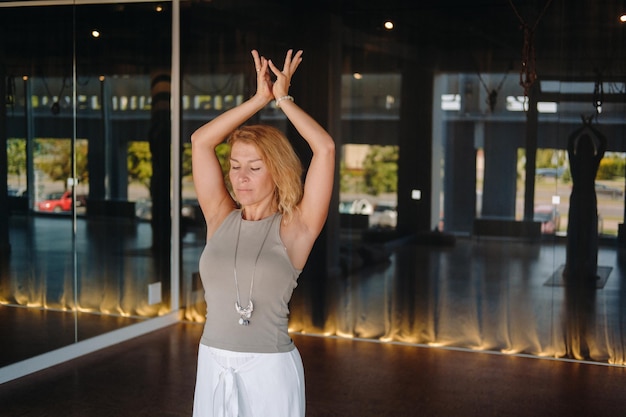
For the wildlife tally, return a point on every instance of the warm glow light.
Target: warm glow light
(622, 18)
(25, 78)
(357, 75)
(194, 316)
(388, 25)
(478, 347)
(95, 33)
(159, 8)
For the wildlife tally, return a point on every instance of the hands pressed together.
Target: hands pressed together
(269, 88)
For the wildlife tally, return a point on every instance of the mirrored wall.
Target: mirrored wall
(454, 215)
(86, 128)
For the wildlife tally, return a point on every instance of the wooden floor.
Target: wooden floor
(154, 375)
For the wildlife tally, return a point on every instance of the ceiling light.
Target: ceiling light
(622, 18)
(95, 33)
(388, 25)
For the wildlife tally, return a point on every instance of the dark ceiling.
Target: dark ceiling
(570, 38)
(573, 37)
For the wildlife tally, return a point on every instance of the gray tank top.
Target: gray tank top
(274, 281)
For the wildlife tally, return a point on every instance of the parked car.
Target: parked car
(385, 215)
(613, 192)
(143, 209)
(190, 211)
(550, 172)
(60, 202)
(358, 206)
(15, 192)
(549, 217)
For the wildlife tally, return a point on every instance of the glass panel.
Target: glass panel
(440, 136)
(123, 112)
(368, 181)
(211, 84)
(501, 135)
(88, 138)
(37, 282)
(473, 258)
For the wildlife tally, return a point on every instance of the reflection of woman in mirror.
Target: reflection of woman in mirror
(586, 147)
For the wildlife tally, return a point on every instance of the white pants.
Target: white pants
(238, 384)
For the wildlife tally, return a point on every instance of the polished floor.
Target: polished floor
(154, 375)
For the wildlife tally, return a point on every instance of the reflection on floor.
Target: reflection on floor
(479, 294)
(557, 279)
(482, 294)
(28, 332)
(50, 298)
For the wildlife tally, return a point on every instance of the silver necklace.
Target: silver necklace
(246, 312)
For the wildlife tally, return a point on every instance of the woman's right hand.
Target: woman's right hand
(263, 78)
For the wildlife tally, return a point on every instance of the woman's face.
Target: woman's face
(251, 180)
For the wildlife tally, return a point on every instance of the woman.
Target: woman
(258, 241)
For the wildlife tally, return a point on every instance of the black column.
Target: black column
(99, 149)
(414, 161)
(5, 246)
(317, 89)
(160, 147)
(531, 153)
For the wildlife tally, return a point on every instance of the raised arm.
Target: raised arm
(318, 185)
(602, 142)
(213, 196)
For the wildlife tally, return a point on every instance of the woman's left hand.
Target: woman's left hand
(283, 78)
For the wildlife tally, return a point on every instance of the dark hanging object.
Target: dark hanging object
(56, 106)
(528, 73)
(598, 93)
(492, 94)
(10, 99)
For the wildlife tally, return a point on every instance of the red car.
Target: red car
(58, 202)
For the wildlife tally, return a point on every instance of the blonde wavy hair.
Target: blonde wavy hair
(281, 160)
